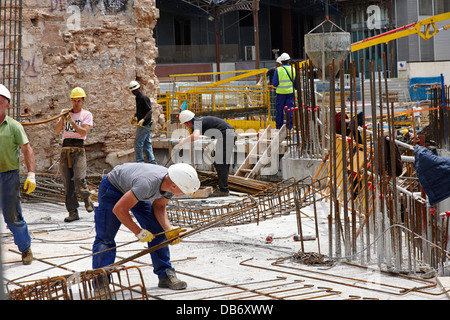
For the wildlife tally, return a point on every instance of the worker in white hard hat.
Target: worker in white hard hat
(218, 129)
(13, 138)
(284, 81)
(75, 127)
(417, 114)
(143, 119)
(144, 189)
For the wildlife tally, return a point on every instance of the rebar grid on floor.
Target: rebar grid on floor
(109, 283)
(283, 198)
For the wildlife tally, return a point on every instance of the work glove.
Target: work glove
(30, 183)
(133, 120)
(145, 236)
(67, 117)
(173, 233)
(140, 123)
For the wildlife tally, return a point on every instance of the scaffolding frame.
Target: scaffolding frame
(11, 51)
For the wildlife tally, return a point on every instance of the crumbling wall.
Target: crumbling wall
(100, 46)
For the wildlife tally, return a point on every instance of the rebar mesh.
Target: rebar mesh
(10, 51)
(109, 283)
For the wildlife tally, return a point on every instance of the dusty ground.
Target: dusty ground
(221, 263)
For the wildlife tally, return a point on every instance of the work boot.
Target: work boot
(27, 257)
(220, 193)
(171, 281)
(88, 204)
(73, 215)
(102, 290)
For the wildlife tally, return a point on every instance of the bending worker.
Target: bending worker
(12, 136)
(143, 117)
(215, 128)
(144, 189)
(75, 126)
(284, 81)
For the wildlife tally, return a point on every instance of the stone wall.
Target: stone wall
(100, 46)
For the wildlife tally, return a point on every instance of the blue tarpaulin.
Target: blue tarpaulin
(418, 87)
(434, 174)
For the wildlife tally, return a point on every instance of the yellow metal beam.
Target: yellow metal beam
(243, 75)
(407, 31)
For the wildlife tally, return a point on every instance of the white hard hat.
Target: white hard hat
(278, 59)
(186, 116)
(185, 177)
(5, 92)
(134, 85)
(284, 57)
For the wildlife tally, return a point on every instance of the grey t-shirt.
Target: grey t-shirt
(143, 179)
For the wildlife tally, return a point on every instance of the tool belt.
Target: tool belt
(68, 151)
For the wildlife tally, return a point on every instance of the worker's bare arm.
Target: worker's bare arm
(29, 157)
(160, 211)
(82, 130)
(122, 211)
(194, 136)
(59, 126)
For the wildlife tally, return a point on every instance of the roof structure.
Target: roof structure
(314, 7)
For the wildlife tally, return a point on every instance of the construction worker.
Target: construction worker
(13, 136)
(417, 113)
(143, 118)
(144, 189)
(284, 81)
(75, 126)
(225, 135)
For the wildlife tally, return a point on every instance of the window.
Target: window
(441, 6)
(425, 8)
(182, 31)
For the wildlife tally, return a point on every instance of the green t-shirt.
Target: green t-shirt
(12, 136)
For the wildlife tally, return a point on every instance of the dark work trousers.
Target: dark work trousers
(281, 101)
(11, 206)
(223, 157)
(74, 176)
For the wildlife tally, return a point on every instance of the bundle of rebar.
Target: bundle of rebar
(49, 187)
(283, 198)
(369, 198)
(235, 183)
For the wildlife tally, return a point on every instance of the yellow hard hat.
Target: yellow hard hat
(77, 92)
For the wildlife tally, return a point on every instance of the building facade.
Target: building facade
(186, 37)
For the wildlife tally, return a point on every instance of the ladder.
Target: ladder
(263, 158)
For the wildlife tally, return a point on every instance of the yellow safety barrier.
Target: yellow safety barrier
(242, 105)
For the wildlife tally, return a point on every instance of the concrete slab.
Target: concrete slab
(445, 283)
(220, 263)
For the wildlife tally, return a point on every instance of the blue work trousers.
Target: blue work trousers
(107, 225)
(143, 144)
(11, 206)
(281, 101)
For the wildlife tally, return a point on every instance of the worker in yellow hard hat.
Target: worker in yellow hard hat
(77, 92)
(75, 126)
